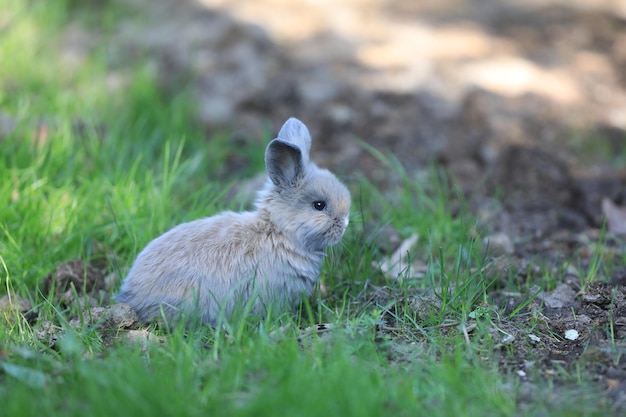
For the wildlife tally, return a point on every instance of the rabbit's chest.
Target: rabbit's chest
(293, 271)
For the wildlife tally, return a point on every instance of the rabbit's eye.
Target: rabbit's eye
(319, 205)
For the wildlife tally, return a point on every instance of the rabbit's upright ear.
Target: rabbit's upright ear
(284, 163)
(296, 132)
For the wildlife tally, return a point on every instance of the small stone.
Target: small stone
(562, 296)
(508, 339)
(593, 298)
(571, 334)
(122, 316)
(583, 320)
(88, 317)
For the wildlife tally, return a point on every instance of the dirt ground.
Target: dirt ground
(523, 103)
(526, 102)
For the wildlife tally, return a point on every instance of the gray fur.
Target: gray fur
(266, 258)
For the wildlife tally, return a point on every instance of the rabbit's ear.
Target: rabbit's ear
(296, 132)
(284, 162)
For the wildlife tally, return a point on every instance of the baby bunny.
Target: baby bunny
(263, 259)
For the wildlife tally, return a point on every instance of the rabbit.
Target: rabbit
(263, 259)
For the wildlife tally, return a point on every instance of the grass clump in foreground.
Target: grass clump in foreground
(91, 175)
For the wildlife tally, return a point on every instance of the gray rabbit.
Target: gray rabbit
(262, 259)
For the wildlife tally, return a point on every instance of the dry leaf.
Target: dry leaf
(398, 264)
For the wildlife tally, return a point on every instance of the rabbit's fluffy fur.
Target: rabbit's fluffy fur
(262, 259)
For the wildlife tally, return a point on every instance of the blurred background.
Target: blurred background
(525, 101)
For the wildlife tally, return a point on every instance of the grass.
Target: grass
(95, 175)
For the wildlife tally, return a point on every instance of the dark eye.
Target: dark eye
(319, 205)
